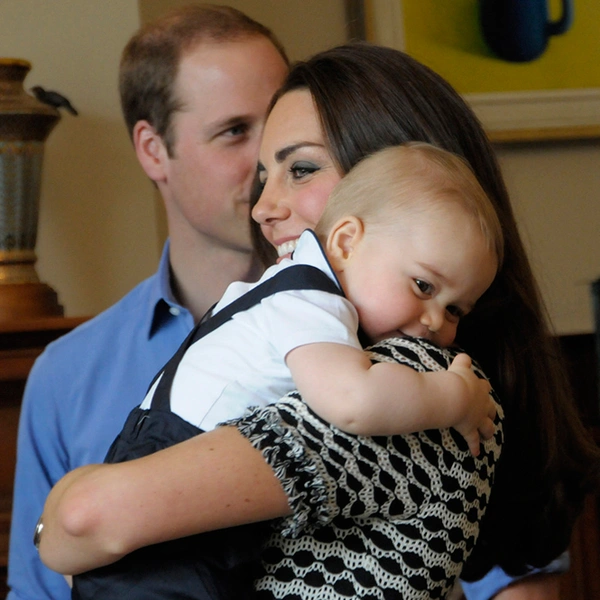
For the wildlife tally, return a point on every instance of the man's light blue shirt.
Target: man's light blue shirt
(497, 579)
(76, 400)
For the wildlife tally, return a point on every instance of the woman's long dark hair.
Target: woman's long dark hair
(370, 97)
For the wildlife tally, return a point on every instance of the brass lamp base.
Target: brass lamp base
(25, 123)
(24, 301)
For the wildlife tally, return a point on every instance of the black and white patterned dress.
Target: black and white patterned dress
(382, 517)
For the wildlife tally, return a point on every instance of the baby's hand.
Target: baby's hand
(477, 422)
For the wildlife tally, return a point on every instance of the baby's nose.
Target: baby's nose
(432, 319)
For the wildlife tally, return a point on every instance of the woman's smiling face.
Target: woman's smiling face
(296, 170)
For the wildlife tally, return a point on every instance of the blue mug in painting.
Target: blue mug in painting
(519, 30)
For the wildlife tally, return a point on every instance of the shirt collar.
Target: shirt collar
(162, 304)
(309, 250)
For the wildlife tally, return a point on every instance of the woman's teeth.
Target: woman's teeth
(287, 248)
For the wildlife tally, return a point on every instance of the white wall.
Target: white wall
(303, 26)
(98, 228)
(555, 189)
(97, 231)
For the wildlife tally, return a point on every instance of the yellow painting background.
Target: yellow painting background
(445, 35)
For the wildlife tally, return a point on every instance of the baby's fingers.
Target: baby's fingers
(492, 410)
(487, 429)
(462, 361)
(474, 442)
(485, 388)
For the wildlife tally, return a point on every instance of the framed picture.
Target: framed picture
(554, 95)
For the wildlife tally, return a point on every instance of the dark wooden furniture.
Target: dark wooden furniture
(582, 581)
(21, 342)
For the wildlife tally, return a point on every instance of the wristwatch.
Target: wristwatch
(37, 534)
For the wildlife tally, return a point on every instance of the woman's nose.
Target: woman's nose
(269, 208)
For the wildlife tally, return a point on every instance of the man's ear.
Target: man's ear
(342, 241)
(150, 150)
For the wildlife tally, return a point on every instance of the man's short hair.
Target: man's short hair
(150, 61)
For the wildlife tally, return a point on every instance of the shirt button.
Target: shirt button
(175, 311)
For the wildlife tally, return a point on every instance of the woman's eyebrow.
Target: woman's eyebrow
(282, 154)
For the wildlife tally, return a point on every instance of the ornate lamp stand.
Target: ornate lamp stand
(25, 123)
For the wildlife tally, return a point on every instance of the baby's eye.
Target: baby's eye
(237, 130)
(455, 312)
(424, 287)
(261, 175)
(302, 169)
(257, 187)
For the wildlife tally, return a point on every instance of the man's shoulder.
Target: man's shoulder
(121, 320)
(85, 383)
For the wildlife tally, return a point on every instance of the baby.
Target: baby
(412, 241)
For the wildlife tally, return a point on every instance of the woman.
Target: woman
(361, 98)
(353, 92)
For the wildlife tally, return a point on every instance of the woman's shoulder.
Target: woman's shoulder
(422, 355)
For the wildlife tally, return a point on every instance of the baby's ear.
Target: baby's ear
(342, 240)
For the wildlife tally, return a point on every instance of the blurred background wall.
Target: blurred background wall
(101, 227)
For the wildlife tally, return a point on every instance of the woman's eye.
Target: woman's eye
(300, 170)
(424, 287)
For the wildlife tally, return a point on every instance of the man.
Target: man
(195, 86)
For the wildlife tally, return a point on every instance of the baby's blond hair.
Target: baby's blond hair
(417, 177)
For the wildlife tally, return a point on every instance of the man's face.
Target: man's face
(224, 90)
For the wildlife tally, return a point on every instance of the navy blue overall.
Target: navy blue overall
(217, 565)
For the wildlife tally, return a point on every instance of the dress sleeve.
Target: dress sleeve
(328, 474)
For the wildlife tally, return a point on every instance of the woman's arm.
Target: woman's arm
(98, 513)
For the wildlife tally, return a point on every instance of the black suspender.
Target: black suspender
(297, 277)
